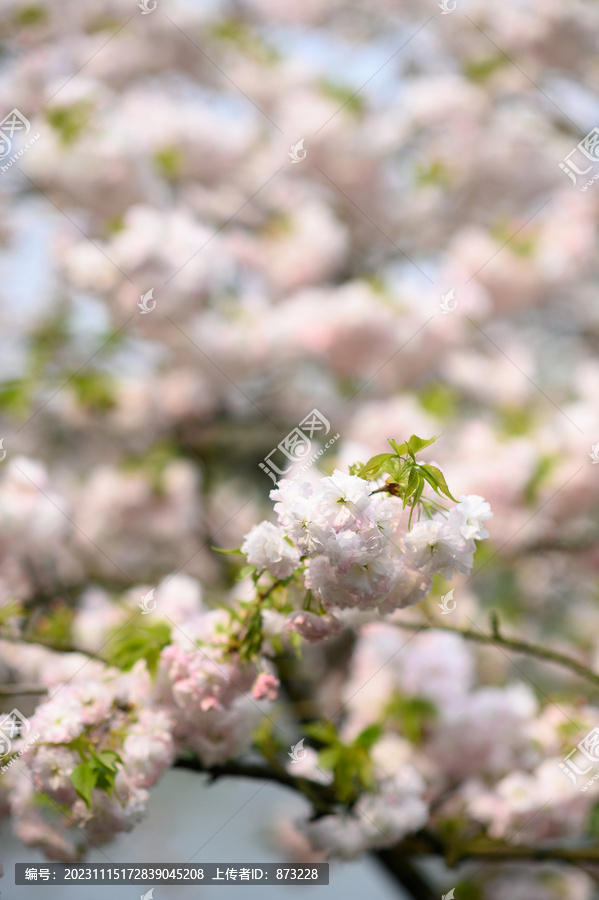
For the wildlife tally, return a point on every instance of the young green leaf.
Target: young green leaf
(436, 479)
(369, 470)
(135, 641)
(415, 444)
(108, 759)
(393, 467)
(412, 486)
(329, 757)
(355, 469)
(324, 732)
(84, 778)
(368, 737)
(400, 449)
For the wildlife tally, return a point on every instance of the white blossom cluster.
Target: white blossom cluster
(355, 544)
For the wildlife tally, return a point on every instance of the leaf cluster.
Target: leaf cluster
(350, 763)
(96, 770)
(406, 477)
(138, 640)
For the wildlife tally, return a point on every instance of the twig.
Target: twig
(12, 690)
(320, 795)
(497, 639)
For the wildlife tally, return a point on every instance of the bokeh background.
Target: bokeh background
(433, 145)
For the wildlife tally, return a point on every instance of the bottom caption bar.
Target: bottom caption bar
(165, 873)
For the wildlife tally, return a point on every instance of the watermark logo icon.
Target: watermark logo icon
(589, 748)
(148, 896)
(13, 122)
(298, 751)
(594, 454)
(146, 8)
(449, 896)
(3, 451)
(298, 152)
(297, 445)
(446, 7)
(448, 304)
(446, 601)
(147, 303)
(148, 604)
(12, 725)
(586, 150)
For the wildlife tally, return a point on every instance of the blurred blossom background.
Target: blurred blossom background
(422, 266)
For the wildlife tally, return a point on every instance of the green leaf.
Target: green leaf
(53, 626)
(393, 467)
(412, 715)
(355, 468)
(94, 390)
(107, 759)
(138, 640)
(439, 400)
(329, 757)
(535, 482)
(235, 552)
(370, 469)
(368, 737)
(412, 486)
(324, 732)
(344, 96)
(84, 778)
(415, 444)
(169, 161)
(437, 480)
(480, 70)
(400, 449)
(244, 572)
(69, 121)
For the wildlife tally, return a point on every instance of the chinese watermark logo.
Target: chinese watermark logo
(446, 601)
(146, 8)
(148, 896)
(11, 124)
(586, 151)
(594, 454)
(147, 303)
(446, 7)
(298, 152)
(298, 751)
(297, 445)
(448, 304)
(148, 604)
(13, 725)
(589, 748)
(449, 896)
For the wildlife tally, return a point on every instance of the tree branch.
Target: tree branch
(321, 796)
(424, 843)
(405, 873)
(15, 690)
(483, 847)
(496, 639)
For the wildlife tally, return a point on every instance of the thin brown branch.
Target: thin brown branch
(15, 690)
(496, 639)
